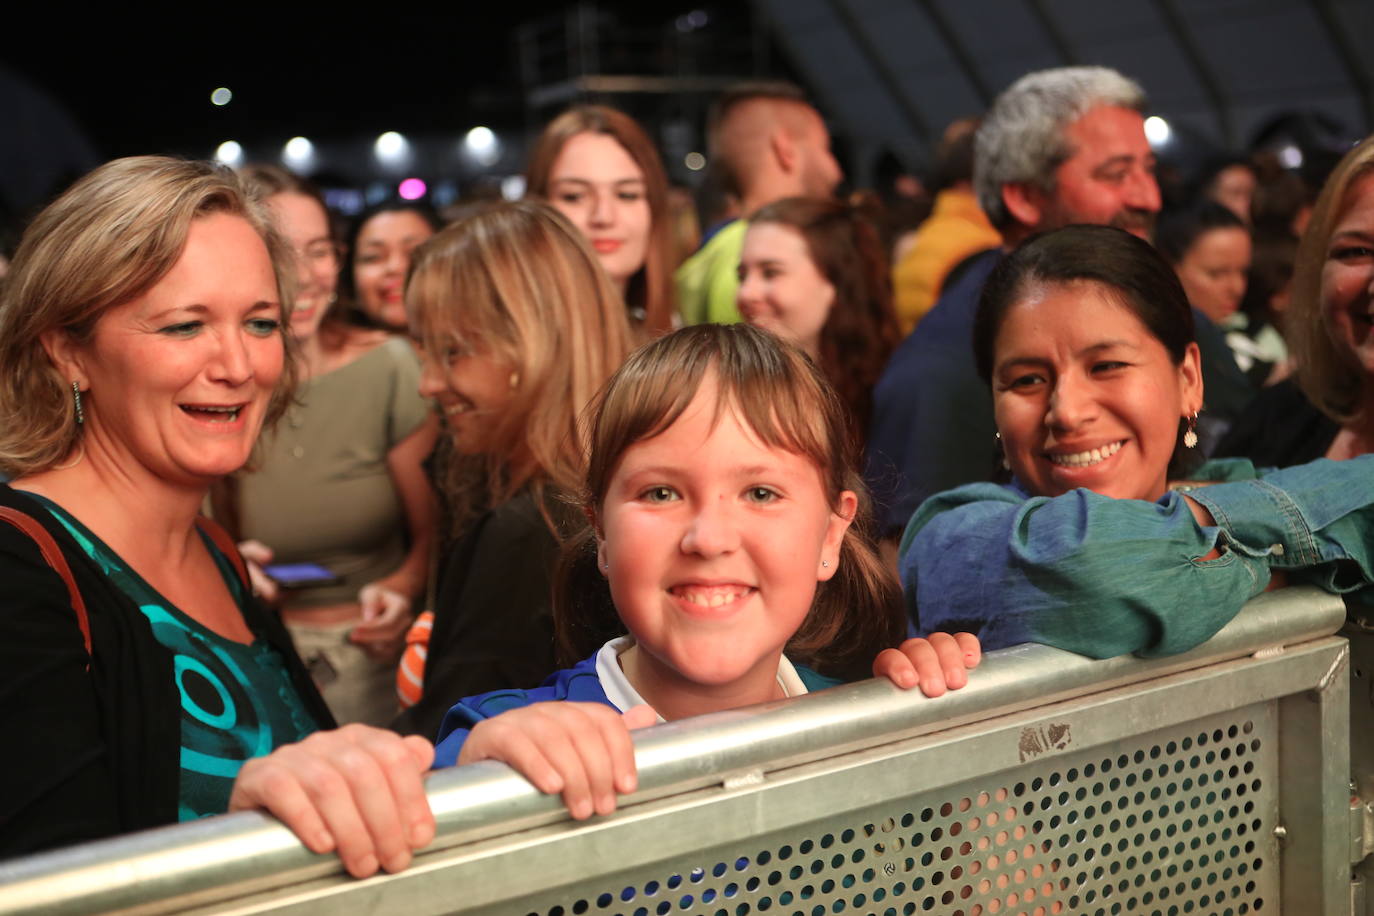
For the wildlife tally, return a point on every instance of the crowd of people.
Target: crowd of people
(295, 516)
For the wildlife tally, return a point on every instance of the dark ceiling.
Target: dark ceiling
(888, 74)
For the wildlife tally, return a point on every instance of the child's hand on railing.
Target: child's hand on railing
(579, 750)
(937, 662)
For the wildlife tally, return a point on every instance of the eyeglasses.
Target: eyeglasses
(320, 251)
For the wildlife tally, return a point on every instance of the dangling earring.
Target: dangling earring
(514, 380)
(76, 399)
(1006, 465)
(1190, 435)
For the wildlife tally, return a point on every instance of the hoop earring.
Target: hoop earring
(1190, 435)
(76, 399)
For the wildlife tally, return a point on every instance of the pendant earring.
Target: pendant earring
(514, 380)
(1006, 465)
(76, 399)
(1190, 435)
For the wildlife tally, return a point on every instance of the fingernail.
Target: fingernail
(628, 783)
(421, 832)
(323, 842)
(367, 865)
(581, 810)
(607, 804)
(398, 862)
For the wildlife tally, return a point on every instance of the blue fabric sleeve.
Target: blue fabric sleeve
(578, 683)
(1103, 577)
(1315, 519)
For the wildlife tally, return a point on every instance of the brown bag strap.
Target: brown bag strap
(52, 554)
(226, 546)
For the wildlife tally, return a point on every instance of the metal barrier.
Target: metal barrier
(1210, 782)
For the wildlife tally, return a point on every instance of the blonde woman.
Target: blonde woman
(143, 347)
(1327, 409)
(519, 326)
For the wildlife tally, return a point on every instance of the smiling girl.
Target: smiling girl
(1085, 336)
(727, 540)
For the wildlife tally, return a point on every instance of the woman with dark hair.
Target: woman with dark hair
(598, 167)
(1085, 337)
(1209, 248)
(1230, 181)
(813, 272)
(379, 250)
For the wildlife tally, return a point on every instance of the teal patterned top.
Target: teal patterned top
(237, 700)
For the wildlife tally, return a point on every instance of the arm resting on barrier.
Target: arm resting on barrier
(1105, 577)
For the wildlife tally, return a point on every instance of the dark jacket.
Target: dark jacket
(91, 753)
(493, 619)
(1281, 428)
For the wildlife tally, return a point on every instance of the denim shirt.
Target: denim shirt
(1104, 577)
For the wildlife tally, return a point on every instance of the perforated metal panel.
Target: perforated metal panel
(1134, 786)
(1176, 822)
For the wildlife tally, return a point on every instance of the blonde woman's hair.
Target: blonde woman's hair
(1331, 381)
(105, 241)
(517, 281)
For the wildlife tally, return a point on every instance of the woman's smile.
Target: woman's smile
(1085, 396)
(1087, 457)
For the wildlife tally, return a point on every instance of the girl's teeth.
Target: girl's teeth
(711, 597)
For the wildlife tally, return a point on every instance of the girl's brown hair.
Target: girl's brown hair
(105, 241)
(1331, 380)
(650, 289)
(519, 282)
(782, 397)
(861, 330)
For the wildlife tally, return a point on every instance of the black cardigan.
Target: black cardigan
(493, 620)
(1280, 428)
(90, 753)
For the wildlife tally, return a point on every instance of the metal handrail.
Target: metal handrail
(223, 857)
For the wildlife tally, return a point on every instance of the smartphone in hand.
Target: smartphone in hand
(300, 575)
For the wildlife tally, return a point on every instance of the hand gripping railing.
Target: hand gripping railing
(1053, 783)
